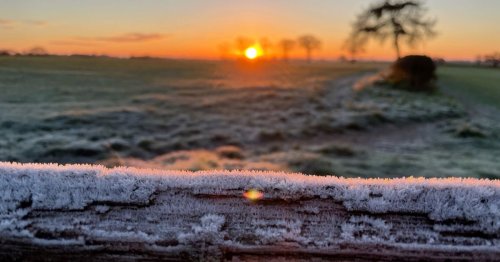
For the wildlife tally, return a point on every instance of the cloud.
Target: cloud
(10, 24)
(38, 23)
(7, 24)
(73, 43)
(96, 41)
(131, 37)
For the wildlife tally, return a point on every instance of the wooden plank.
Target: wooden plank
(50, 212)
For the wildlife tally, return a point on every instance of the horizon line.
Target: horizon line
(272, 59)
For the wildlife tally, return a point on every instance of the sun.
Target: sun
(252, 53)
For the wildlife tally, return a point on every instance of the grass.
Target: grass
(480, 85)
(53, 108)
(109, 79)
(178, 114)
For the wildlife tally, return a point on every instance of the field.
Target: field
(200, 115)
(480, 84)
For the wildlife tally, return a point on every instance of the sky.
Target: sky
(196, 28)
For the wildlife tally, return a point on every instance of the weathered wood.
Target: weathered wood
(52, 212)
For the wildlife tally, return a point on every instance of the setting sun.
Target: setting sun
(252, 53)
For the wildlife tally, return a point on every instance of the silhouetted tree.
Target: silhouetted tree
(493, 59)
(479, 60)
(266, 45)
(286, 46)
(439, 61)
(393, 18)
(242, 43)
(5, 52)
(309, 43)
(37, 51)
(224, 49)
(353, 48)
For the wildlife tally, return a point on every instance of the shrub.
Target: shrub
(231, 152)
(414, 73)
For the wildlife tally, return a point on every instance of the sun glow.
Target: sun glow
(253, 52)
(253, 195)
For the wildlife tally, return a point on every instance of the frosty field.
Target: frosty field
(223, 115)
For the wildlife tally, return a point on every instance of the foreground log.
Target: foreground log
(50, 212)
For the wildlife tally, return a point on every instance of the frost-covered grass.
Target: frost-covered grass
(481, 84)
(56, 109)
(199, 115)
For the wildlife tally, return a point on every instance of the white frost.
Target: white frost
(26, 188)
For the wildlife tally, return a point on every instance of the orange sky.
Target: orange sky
(195, 28)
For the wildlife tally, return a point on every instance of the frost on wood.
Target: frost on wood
(79, 210)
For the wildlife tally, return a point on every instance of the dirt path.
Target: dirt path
(380, 136)
(422, 146)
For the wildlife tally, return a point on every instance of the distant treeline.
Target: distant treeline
(35, 51)
(42, 52)
(269, 49)
(491, 60)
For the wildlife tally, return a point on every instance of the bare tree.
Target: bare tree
(224, 49)
(353, 48)
(479, 60)
(309, 43)
(493, 59)
(242, 43)
(266, 45)
(6, 52)
(286, 46)
(37, 51)
(393, 18)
